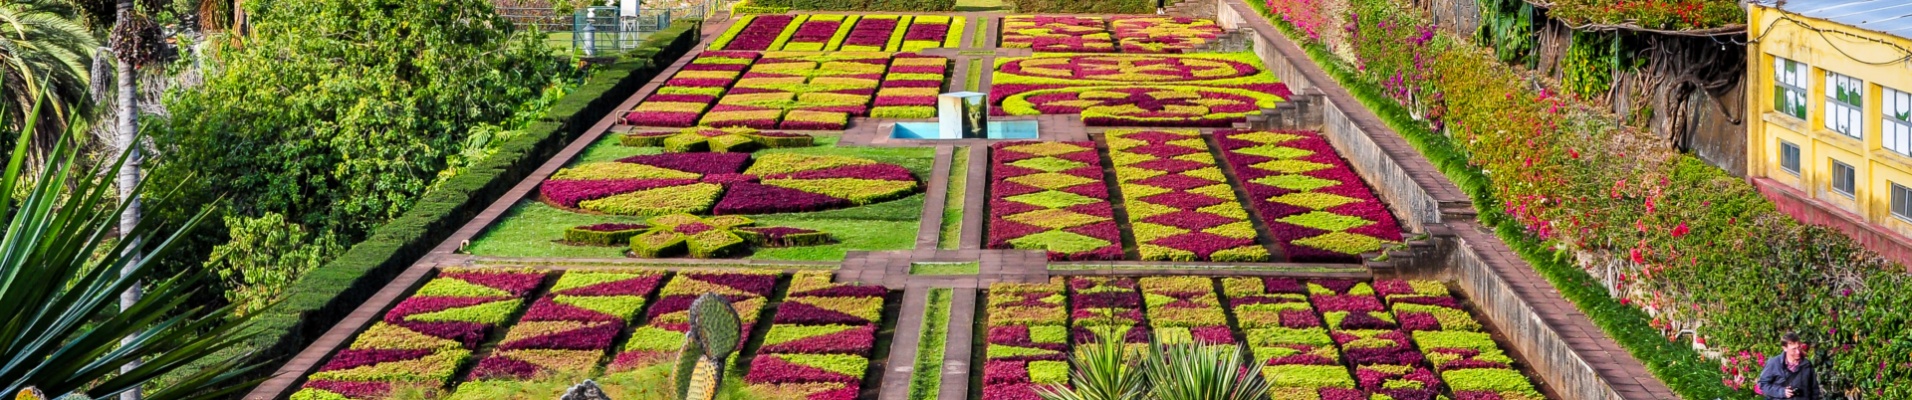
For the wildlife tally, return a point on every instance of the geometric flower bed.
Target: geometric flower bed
(720, 183)
(1309, 334)
(1468, 360)
(732, 140)
(1075, 34)
(716, 236)
(815, 32)
(1180, 205)
(567, 331)
(1328, 339)
(819, 343)
(808, 91)
(755, 32)
(423, 340)
(910, 87)
(1028, 340)
(662, 335)
(1192, 90)
(1317, 207)
(837, 32)
(1051, 196)
(1150, 34)
(1106, 305)
(687, 94)
(1185, 309)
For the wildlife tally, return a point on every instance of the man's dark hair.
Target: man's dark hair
(1792, 337)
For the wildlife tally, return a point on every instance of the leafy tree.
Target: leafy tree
(60, 272)
(44, 54)
(338, 114)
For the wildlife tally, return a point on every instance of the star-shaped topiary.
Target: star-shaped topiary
(716, 236)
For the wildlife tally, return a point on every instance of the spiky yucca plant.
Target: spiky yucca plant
(1101, 371)
(714, 329)
(1107, 370)
(1190, 371)
(61, 273)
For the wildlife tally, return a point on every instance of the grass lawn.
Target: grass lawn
(952, 229)
(532, 227)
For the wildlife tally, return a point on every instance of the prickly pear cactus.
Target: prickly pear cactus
(713, 335)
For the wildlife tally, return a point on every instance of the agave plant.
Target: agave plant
(1191, 371)
(1101, 371)
(1106, 370)
(61, 274)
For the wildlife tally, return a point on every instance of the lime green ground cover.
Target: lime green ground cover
(531, 228)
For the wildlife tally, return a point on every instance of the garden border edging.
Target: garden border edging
(1569, 352)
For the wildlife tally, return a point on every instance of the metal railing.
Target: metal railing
(595, 31)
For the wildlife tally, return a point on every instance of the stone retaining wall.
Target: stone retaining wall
(1570, 354)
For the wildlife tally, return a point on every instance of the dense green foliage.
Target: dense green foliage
(1694, 247)
(61, 275)
(338, 113)
(326, 294)
(1656, 14)
(762, 6)
(44, 55)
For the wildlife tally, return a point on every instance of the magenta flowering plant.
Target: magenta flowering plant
(1155, 34)
(1181, 207)
(1309, 198)
(1051, 196)
(1076, 34)
(720, 183)
(871, 33)
(757, 34)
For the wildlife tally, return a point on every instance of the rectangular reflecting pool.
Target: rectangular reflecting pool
(997, 130)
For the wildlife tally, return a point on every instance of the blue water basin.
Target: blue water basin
(997, 130)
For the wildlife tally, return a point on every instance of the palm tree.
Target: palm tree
(63, 335)
(42, 42)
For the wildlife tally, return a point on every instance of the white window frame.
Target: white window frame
(1845, 105)
(1895, 120)
(1789, 87)
(1900, 202)
(1851, 178)
(1787, 147)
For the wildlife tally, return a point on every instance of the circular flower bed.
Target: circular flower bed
(725, 183)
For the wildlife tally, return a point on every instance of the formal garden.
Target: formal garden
(1218, 199)
(738, 172)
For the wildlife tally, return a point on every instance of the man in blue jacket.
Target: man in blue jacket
(1790, 375)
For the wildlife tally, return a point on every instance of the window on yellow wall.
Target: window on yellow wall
(1844, 104)
(1789, 157)
(1895, 119)
(1789, 87)
(1901, 202)
(1844, 178)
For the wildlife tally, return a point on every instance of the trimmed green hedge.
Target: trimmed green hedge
(858, 5)
(1085, 6)
(327, 294)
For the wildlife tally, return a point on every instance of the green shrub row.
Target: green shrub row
(1086, 6)
(857, 5)
(1748, 271)
(327, 294)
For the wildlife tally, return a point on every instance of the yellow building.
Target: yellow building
(1829, 113)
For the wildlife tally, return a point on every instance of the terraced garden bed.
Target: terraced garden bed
(1333, 339)
(622, 327)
